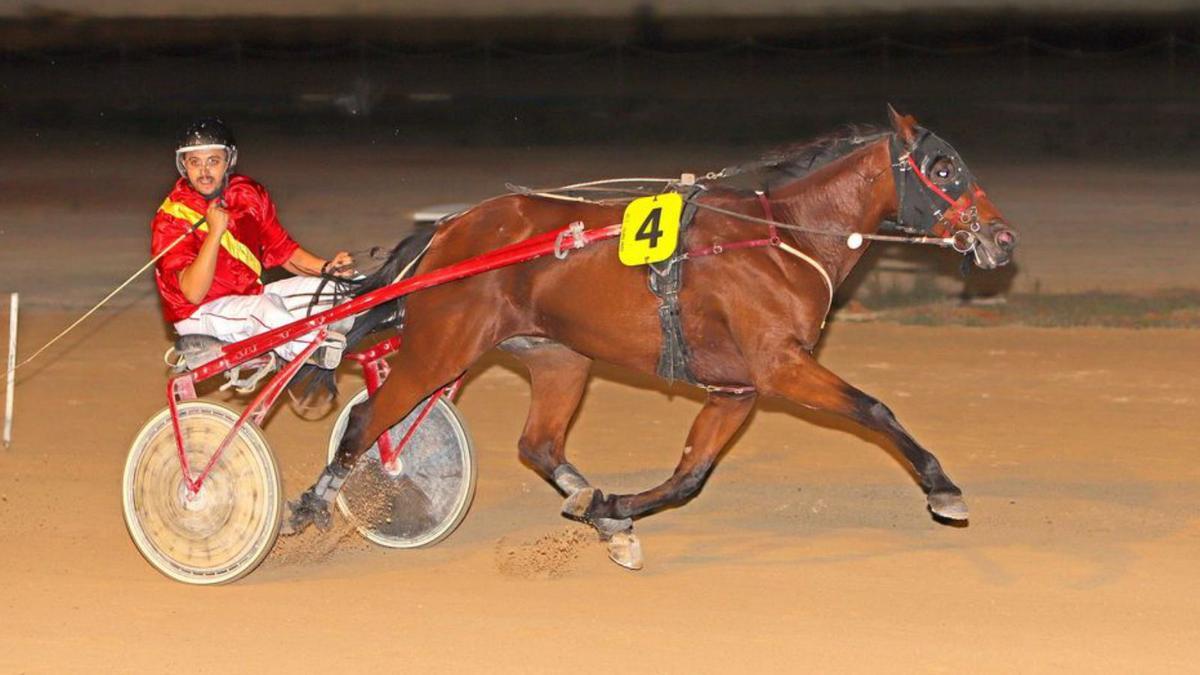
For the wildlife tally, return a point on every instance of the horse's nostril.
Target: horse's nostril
(1005, 239)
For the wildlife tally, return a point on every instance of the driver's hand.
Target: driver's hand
(342, 265)
(217, 218)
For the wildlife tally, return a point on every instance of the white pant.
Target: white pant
(237, 317)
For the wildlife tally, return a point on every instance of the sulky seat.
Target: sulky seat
(192, 351)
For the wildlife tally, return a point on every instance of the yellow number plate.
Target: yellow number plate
(650, 229)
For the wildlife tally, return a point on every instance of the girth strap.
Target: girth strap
(666, 280)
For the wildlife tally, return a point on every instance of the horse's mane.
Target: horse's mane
(789, 162)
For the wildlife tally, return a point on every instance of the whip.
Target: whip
(8, 375)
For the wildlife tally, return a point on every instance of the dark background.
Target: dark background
(1069, 85)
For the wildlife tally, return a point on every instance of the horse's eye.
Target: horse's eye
(942, 171)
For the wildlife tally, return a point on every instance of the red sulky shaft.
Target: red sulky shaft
(522, 251)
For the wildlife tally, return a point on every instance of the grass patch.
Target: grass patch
(1166, 309)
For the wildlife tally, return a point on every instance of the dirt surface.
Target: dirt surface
(809, 549)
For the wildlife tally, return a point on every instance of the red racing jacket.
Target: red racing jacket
(254, 241)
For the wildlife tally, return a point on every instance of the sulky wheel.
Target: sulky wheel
(226, 529)
(420, 501)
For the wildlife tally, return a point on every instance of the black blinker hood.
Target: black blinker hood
(921, 206)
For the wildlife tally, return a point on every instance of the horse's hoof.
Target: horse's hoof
(294, 523)
(948, 505)
(625, 549)
(308, 510)
(577, 504)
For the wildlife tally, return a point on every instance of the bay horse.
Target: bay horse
(750, 317)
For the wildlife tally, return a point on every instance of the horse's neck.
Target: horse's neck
(852, 194)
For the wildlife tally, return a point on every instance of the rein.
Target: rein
(595, 186)
(342, 287)
(854, 240)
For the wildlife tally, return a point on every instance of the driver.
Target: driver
(210, 283)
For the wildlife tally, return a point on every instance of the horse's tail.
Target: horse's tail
(401, 264)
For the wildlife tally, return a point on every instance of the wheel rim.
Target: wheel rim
(226, 529)
(421, 501)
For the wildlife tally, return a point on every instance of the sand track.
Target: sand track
(809, 549)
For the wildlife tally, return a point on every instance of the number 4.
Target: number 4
(651, 228)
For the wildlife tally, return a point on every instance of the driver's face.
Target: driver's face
(206, 169)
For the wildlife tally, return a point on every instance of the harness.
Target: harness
(666, 283)
(922, 204)
(666, 280)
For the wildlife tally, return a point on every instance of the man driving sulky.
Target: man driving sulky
(210, 283)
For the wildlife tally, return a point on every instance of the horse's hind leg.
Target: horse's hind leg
(717, 422)
(806, 382)
(431, 356)
(558, 376)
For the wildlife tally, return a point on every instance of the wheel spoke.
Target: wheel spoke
(222, 532)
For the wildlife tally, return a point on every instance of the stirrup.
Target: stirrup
(192, 351)
(260, 368)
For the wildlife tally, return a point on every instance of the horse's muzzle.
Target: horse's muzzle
(995, 246)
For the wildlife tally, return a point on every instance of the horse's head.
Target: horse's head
(938, 194)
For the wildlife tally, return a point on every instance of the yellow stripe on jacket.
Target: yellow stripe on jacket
(232, 246)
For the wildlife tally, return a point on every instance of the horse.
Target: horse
(746, 322)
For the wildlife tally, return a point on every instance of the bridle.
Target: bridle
(925, 203)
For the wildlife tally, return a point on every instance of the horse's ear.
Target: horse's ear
(905, 126)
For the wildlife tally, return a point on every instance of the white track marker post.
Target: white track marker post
(13, 305)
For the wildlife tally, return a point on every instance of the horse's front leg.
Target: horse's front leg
(799, 378)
